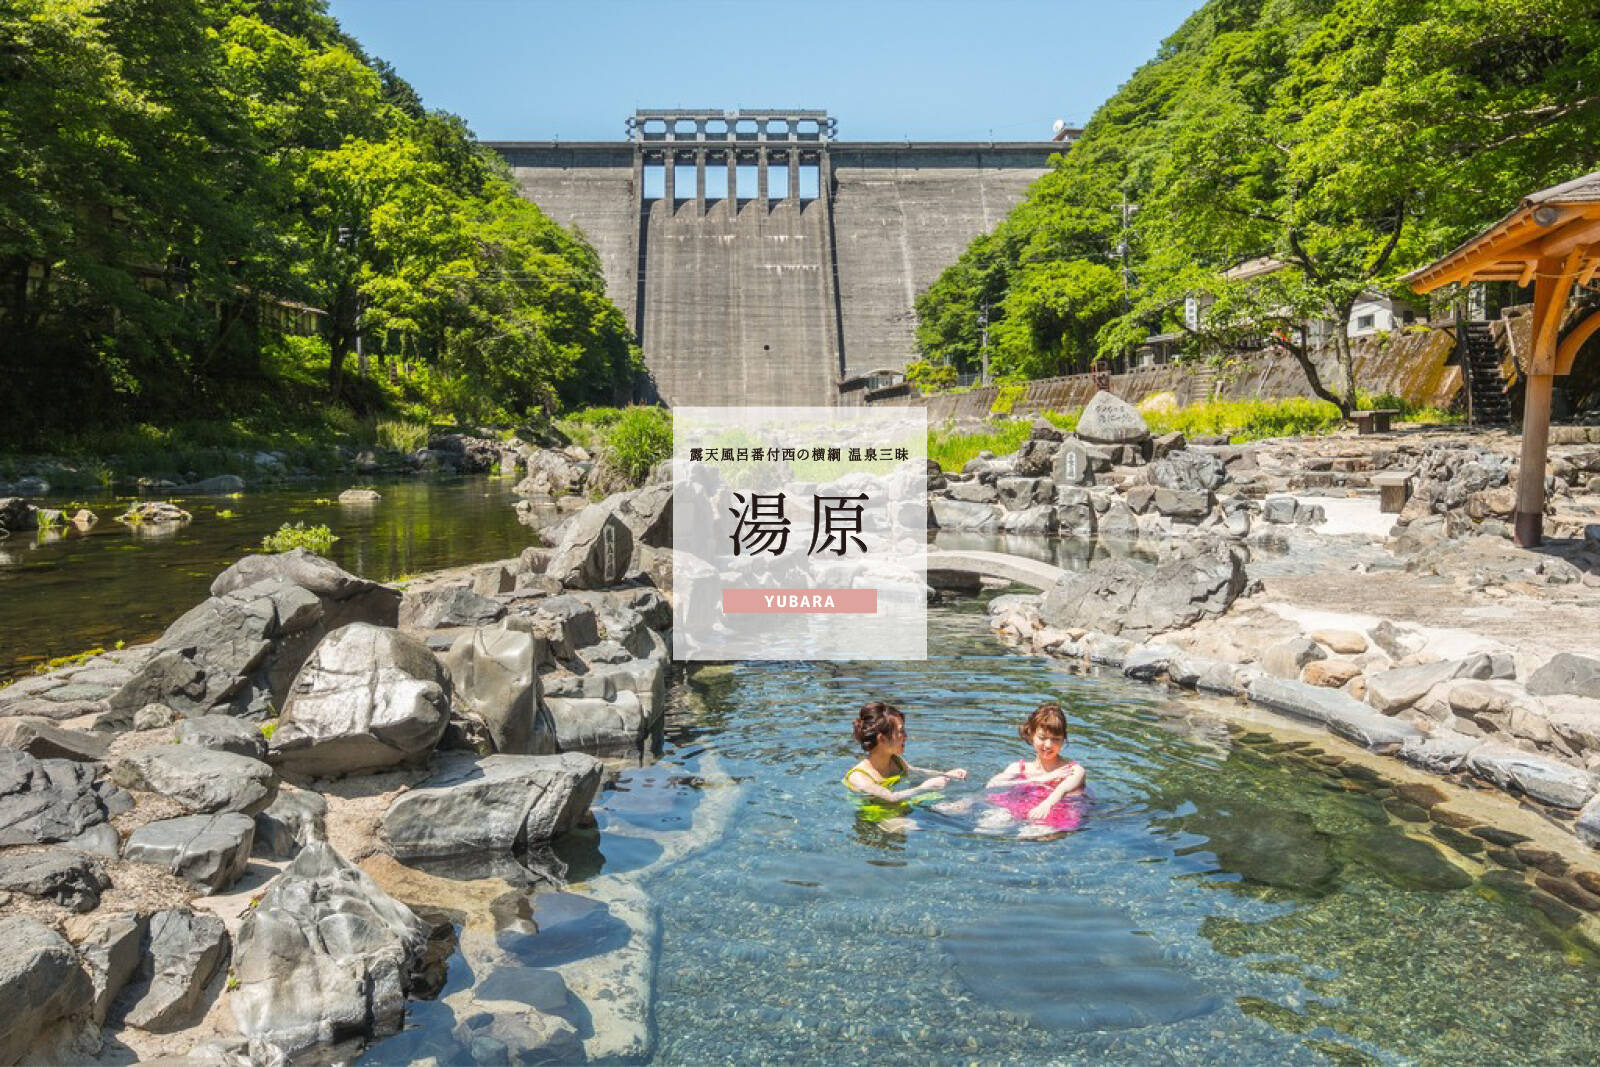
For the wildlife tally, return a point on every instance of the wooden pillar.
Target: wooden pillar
(1553, 281)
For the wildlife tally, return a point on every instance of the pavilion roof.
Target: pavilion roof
(1554, 223)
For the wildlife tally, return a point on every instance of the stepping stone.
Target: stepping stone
(211, 851)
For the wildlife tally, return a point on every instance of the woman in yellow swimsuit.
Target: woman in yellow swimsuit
(881, 730)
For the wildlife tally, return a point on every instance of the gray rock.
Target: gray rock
(1558, 784)
(493, 804)
(345, 598)
(211, 851)
(1038, 455)
(223, 733)
(1567, 674)
(1076, 464)
(1075, 520)
(1441, 752)
(1019, 492)
(17, 515)
(1122, 597)
(1118, 522)
(368, 698)
(1149, 662)
(358, 497)
(41, 984)
(594, 552)
(1188, 472)
(1039, 519)
(45, 801)
(1588, 825)
(1395, 690)
(495, 679)
(1286, 658)
(603, 725)
(1167, 443)
(1106, 419)
(1395, 642)
(42, 739)
(153, 717)
(235, 652)
(974, 492)
(110, 952)
(71, 879)
(493, 580)
(295, 818)
(186, 950)
(1106, 649)
(201, 780)
(960, 515)
(326, 955)
(456, 606)
(1344, 715)
(1182, 505)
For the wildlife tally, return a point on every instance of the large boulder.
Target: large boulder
(368, 698)
(492, 804)
(448, 608)
(494, 674)
(234, 653)
(1122, 597)
(345, 597)
(1109, 420)
(1567, 674)
(1188, 471)
(211, 851)
(50, 800)
(185, 951)
(324, 956)
(296, 818)
(200, 780)
(41, 984)
(594, 552)
(16, 515)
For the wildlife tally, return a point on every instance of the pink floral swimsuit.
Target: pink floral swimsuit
(1023, 797)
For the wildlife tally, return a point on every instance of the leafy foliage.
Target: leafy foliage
(1351, 141)
(180, 180)
(318, 539)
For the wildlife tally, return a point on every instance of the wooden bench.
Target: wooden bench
(1394, 489)
(1374, 421)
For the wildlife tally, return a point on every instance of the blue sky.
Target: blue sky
(885, 69)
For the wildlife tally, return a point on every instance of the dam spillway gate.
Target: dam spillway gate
(758, 259)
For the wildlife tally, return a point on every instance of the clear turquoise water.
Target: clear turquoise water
(1220, 905)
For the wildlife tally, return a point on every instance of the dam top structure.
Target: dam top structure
(759, 259)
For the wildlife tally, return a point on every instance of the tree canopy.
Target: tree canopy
(180, 180)
(1350, 140)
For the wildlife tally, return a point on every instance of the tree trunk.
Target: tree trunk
(1346, 363)
(1302, 356)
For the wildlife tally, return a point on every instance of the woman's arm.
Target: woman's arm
(1009, 775)
(955, 773)
(1069, 784)
(860, 782)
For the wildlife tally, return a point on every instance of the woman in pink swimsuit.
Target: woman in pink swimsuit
(1043, 790)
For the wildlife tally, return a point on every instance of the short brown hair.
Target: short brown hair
(1046, 717)
(875, 721)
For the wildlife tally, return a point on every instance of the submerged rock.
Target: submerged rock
(325, 956)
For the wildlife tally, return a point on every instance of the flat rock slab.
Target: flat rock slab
(40, 984)
(72, 879)
(202, 780)
(42, 739)
(492, 804)
(211, 851)
(1544, 779)
(1567, 674)
(1341, 713)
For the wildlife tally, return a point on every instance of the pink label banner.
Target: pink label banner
(800, 601)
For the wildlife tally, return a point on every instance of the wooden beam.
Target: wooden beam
(1552, 284)
(1589, 271)
(1567, 351)
(1528, 524)
(1528, 271)
(1582, 233)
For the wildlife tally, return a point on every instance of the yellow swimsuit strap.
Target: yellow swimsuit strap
(888, 781)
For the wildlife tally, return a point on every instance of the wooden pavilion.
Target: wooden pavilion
(1551, 240)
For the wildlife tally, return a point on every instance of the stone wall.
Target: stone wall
(1415, 365)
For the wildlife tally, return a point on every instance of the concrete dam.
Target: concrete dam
(759, 260)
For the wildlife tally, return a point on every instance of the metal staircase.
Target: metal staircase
(1486, 387)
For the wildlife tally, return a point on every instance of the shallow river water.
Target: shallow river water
(63, 591)
(1221, 903)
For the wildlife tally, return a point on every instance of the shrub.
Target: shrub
(318, 539)
(1006, 397)
(930, 377)
(640, 438)
(952, 450)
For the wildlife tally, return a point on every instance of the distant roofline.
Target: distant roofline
(1054, 146)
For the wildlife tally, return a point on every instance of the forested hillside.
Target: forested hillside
(203, 203)
(1353, 140)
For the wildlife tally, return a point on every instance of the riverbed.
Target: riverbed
(64, 590)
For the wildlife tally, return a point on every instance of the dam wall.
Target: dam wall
(749, 291)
